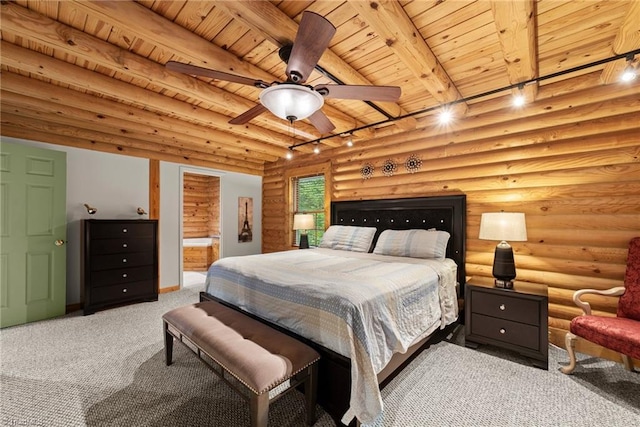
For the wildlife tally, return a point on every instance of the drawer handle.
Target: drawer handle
(124, 275)
(124, 245)
(124, 230)
(503, 331)
(124, 290)
(124, 260)
(502, 307)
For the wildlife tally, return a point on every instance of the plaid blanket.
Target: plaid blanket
(364, 306)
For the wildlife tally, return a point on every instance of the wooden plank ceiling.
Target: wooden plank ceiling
(91, 74)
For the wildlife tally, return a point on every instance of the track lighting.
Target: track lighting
(90, 209)
(445, 116)
(289, 155)
(629, 72)
(316, 149)
(350, 142)
(518, 99)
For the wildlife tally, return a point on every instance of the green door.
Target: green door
(32, 233)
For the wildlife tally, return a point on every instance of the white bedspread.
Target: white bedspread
(363, 306)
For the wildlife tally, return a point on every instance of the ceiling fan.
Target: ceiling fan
(293, 100)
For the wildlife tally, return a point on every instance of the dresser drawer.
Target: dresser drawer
(109, 230)
(506, 331)
(121, 275)
(506, 307)
(134, 259)
(123, 245)
(123, 292)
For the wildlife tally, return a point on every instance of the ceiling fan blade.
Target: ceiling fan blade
(218, 75)
(248, 115)
(363, 93)
(314, 35)
(321, 122)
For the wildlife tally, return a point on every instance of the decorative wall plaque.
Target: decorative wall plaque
(413, 163)
(367, 171)
(389, 167)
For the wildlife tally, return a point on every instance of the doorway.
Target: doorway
(200, 226)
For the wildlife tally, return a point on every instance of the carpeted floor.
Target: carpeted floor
(108, 370)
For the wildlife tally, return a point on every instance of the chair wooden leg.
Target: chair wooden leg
(570, 344)
(259, 405)
(628, 363)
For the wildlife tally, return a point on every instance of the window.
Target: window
(308, 197)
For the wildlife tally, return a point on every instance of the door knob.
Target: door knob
(59, 242)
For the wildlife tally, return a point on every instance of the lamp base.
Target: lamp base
(304, 242)
(504, 267)
(506, 284)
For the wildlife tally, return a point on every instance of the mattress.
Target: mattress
(361, 305)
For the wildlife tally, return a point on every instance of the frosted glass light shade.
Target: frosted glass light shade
(303, 222)
(291, 102)
(503, 226)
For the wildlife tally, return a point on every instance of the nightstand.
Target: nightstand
(514, 319)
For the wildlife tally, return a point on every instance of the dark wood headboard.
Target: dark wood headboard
(448, 213)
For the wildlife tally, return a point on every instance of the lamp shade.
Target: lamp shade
(303, 222)
(503, 226)
(291, 102)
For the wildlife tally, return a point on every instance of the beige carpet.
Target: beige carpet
(108, 369)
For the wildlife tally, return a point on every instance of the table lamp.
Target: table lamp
(303, 222)
(503, 226)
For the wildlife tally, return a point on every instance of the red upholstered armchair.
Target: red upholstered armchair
(621, 333)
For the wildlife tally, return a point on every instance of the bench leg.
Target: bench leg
(310, 393)
(168, 345)
(259, 405)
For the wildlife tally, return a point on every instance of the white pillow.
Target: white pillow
(413, 243)
(348, 238)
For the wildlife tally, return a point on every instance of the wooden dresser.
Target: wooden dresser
(120, 262)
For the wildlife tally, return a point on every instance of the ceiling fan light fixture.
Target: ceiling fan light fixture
(291, 102)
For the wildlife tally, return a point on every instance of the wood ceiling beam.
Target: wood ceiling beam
(55, 35)
(26, 106)
(45, 66)
(265, 18)
(126, 116)
(174, 38)
(52, 123)
(516, 26)
(393, 25)
(17, 127)
(628, 38)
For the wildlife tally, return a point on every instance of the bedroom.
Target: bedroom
(568, 158)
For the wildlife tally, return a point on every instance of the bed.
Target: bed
(366, 305)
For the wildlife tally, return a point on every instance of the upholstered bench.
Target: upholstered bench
(258, 356)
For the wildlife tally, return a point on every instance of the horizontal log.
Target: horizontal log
(71, 141)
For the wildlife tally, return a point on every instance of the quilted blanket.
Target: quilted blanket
(364, 306)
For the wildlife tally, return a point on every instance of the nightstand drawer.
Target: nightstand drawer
(506, 307)
(507, 331)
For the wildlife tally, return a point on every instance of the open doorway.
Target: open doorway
(200, 226)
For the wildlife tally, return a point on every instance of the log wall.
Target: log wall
(570, 161)
(201, 205)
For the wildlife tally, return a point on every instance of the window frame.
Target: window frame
(304, 172)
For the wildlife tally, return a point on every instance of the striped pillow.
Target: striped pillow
(413, 243)
(348, 238)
